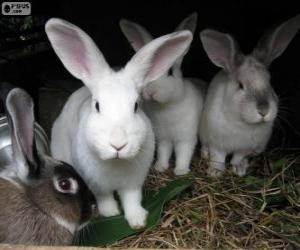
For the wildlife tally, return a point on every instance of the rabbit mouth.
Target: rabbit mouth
(122, 156)
(263, 120)
(258, 121)
(117, 156)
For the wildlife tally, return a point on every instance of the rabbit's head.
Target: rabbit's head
(116, 127)
(169, 86)
(53, 186)
(248, 92)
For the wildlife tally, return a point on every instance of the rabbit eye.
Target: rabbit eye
(136, 106)
(66, 185)
(241, 86)
(97, 106)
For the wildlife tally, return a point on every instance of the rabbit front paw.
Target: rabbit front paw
(204, 153)
(181, 171)
(160, 168)
(137, 218)
(108, 207)
(214, 172)
(241, 168)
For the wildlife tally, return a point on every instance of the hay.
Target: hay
(261, 210)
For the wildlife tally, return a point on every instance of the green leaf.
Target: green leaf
(107, 230)
(254, 181)
(279, 164)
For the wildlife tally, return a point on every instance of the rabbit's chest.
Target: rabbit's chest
(233, 137)
(119, 177)
(108, 177)
(174, 122)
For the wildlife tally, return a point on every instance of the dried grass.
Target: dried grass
(259, 211)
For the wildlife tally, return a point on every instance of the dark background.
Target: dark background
(246, 20)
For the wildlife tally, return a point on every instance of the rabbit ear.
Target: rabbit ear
(189, 23)
(154, 59)
(135, 34)
(19, 108)
(273, 44)
(221, 49)
(77, 51)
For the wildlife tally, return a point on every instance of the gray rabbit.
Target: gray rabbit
(241, 105)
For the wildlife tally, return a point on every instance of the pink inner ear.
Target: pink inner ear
(218, 53)
(135, 38)
(24, 127)
(73, 48)
(163, 59)
(26, 131)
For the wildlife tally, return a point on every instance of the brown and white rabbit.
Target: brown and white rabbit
(43, 201)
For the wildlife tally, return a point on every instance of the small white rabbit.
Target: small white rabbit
(240, 106)
(42, 201)
(102, 131)
(173, 103)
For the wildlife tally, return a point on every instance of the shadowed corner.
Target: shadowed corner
(5, 88)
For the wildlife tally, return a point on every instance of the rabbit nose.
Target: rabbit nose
(263, 112)
(117, 147)
(263, 109)
(118, 139)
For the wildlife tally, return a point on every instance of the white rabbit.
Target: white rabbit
(173, 103)
(101, 130)
(240, 106)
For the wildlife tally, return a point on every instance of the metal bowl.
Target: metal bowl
(41, 139)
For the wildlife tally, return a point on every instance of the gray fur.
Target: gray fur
(241, 105)
(33, 211)
(23, 222)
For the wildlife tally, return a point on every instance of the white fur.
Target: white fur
(240, 106)
(9, 175)
(173, 104)
(222, 131)
(88, 139)
(175, 115)
(70, 226)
